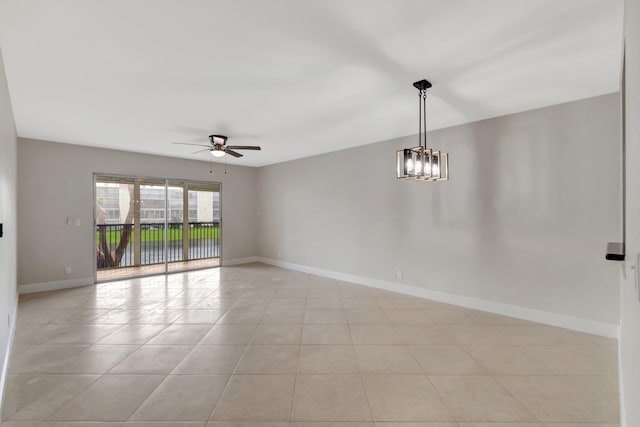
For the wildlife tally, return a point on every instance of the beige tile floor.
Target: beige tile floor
(255, 345)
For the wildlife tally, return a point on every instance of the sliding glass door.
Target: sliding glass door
(148, 226)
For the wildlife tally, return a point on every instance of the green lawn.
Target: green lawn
(146, 235)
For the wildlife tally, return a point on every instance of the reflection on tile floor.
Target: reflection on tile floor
(255, 345)
(147, 270)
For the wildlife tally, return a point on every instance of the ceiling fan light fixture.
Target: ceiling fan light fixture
(217, 152)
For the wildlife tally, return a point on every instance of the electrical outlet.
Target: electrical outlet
(399, 274)
(67, 270)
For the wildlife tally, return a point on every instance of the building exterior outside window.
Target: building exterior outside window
(204, 206)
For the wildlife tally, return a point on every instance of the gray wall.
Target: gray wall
(8, 218)
(629, 300)
(524, 220)
(56, 181)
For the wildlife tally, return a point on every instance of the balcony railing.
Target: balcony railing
(202, 241)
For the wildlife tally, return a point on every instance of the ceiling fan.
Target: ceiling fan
(218, 146)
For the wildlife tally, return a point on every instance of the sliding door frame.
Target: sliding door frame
(166, 219)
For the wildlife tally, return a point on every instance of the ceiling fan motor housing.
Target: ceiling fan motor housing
(218, 139)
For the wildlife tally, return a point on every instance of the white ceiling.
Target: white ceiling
(299, 77)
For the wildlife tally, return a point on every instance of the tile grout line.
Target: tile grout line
(364, 388)
(224, 389)
(295, 380)
(514, 397)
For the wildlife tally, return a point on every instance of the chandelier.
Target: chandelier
(421, 163)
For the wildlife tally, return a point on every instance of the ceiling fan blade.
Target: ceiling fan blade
(244, 147)
(188, 143)
(200, 151)
(233, 153)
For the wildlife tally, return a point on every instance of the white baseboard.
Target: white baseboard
(539, 316)
(238, 261)
(54, 286)
(7, 356)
